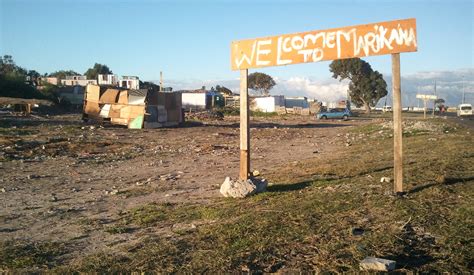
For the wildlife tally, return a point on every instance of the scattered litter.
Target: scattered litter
(255, 173)
(385, 179)
(3, 190)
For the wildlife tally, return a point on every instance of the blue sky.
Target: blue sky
(190, 40)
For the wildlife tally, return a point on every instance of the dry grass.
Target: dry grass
(318, 216)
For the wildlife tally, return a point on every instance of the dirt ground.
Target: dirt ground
(58, 173)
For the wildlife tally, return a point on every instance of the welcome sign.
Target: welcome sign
(347, 42)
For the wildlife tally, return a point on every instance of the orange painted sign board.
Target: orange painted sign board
(313, 46)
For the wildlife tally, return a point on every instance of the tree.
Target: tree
(149, 86)
(63, 73)
(367, 86)
(439, 103)
(261, 83)
(10, 70)
(33, 74)
(93, 72)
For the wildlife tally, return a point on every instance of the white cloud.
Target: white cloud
(322, 90)
(449, 86)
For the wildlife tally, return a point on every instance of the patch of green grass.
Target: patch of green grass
(153, 213)
(263, 114)
(29, 255)
(366, 129)
(415, 132)
(229, 111)
(118, 229)
(17, 132)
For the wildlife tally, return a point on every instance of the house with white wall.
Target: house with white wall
(129, 82)
(267, 104)
(77, 80)
(107, 79)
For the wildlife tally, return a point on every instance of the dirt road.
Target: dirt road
(61, 177)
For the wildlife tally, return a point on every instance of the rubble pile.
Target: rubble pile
(205, 115)
(414, 125)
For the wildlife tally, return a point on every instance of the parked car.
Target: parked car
(464, 110)
(386, 109)
(341, 113)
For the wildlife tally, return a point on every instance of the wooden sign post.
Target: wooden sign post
(244, 126)
(397, 125)
(391, 37)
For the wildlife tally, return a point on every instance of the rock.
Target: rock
(33, 177)
(385, 179)
(3, 190)
(242, 188)
(114, 192)
(54, 198)
(377, 264)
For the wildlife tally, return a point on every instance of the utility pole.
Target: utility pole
(161, 81)
(463, 94)
(434, 100)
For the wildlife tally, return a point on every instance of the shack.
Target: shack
(73, 94)
(297, 105)
(201, 100)
(267, 104)
(135, 109)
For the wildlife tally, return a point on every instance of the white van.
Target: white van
(464, 110)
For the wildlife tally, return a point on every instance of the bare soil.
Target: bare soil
(91, 198)
(58, 171)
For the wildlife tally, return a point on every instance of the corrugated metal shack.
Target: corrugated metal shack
(134, 108)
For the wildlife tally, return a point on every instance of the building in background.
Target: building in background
(73, 94)
(107, 79)
(43, 80)
(267, 104)
(296, 101)
(129, 82)
(201, 99)
(74, 80)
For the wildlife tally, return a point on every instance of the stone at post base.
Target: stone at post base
(377, 264)
(242, 188)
